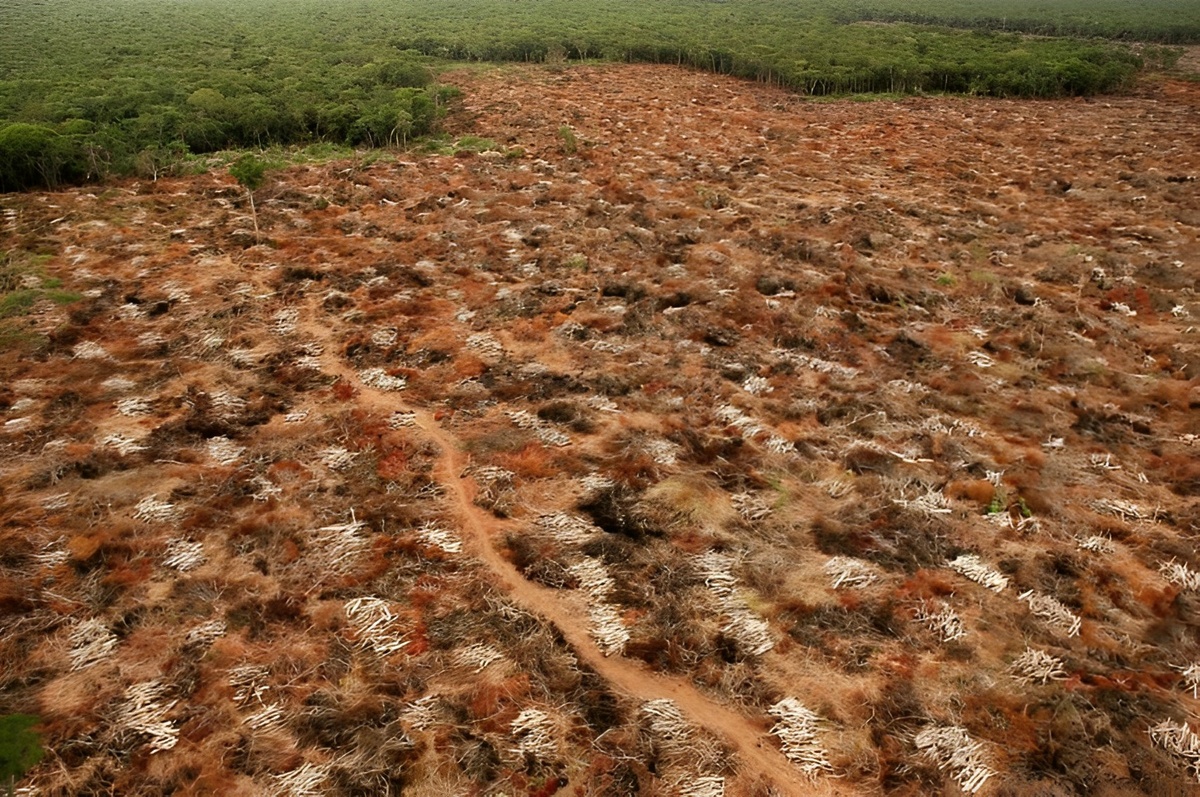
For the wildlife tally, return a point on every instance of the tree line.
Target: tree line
(132, 88)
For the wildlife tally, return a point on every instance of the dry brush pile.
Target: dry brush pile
(876, 423)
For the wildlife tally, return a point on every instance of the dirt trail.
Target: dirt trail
(760, 759)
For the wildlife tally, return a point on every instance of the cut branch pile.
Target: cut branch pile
(953, 750)
(973, 568)
(337, 457)
(1037, 666)
(929, 503)
(478, 657)
(942, 620)
(568, 529)
(438, 537)
(224, 451)
(542, 430)
(374, 624)
(535, 734)
(668, 729)
(1097, 544)
(750, 631)
(1053, 612)
(144, 712)
(423, 713)
(380, 379)
(184, 555)
(340, 544)
(797, 731)
(495, 487)
(1180, 575)
(608, 629)
(1126, 510)
(402, 419)
(284, 322)
(151, 510)
(306, 781)
(124, 444)
(249, 684)
(606, 626)
(267, 717)
(751, 507)
(205, 634)
(485, 346)
(1181, 741)
(848, 572)
(815, 363)
(91, 643)
(701, 786)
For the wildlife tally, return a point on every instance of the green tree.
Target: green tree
(249, 171)
(33, 155)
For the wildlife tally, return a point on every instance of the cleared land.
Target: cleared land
(668, 387)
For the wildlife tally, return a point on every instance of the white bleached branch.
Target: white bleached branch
(380, 379)
(535, 734)
(151, 510)
(478, 657)
(1053, 612)
(144, 712)
(308, 780)
(942, 619)
(1037, 665)
(1180, 740)
(953, 750)
(224, 451)
(205, 634)
(438, 537)
(973, 567)
(848, 572)
(183, 555)
(375, 623)
(750, 507)
(91, 643)
(667, 725)
(796, 728)
(1191, 677)
(1180, 575)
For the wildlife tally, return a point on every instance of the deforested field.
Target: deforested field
(665, 434)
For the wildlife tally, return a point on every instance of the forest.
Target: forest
(135, 87)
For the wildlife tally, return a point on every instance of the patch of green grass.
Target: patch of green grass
(63, 297)
(20, 747)
(475, 144)
(18, 302)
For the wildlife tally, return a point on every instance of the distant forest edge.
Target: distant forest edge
(89, 90)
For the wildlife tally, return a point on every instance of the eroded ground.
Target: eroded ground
(678, 437)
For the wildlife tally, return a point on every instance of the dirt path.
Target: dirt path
(760, 759)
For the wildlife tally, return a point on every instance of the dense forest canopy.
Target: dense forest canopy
(89, 89)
